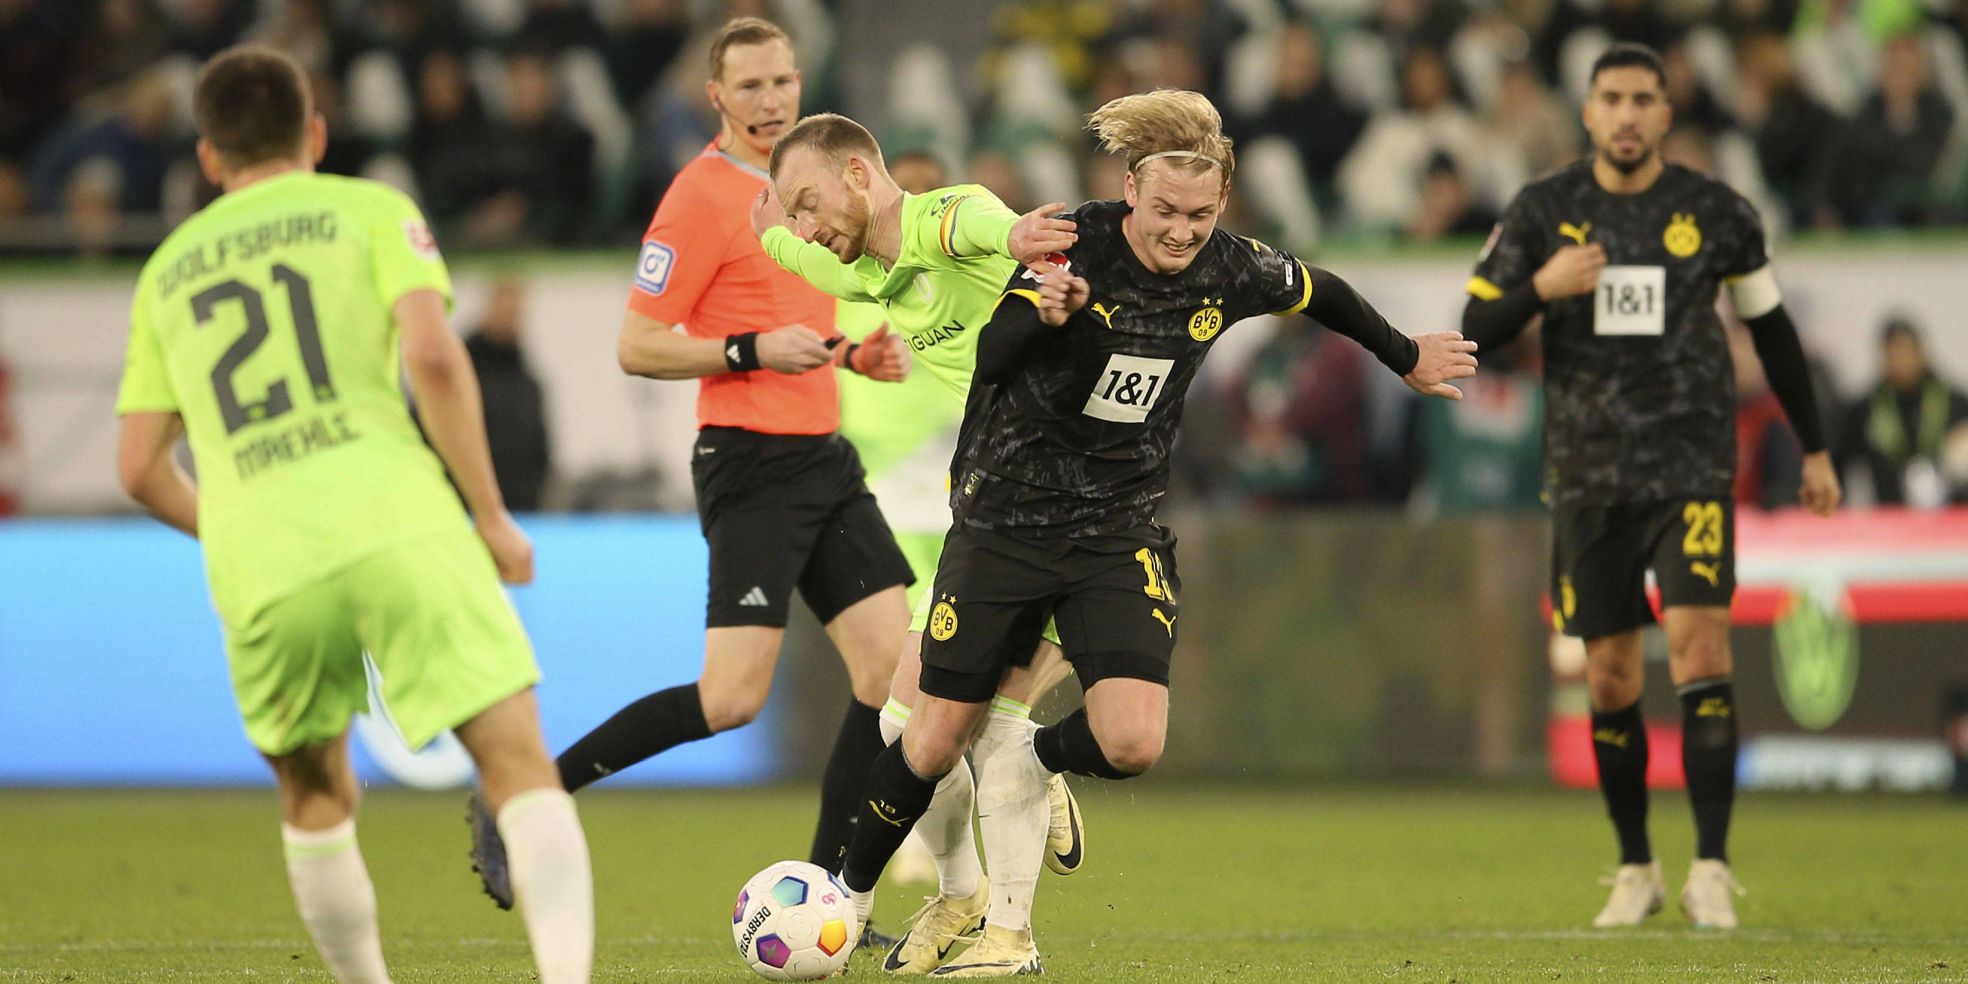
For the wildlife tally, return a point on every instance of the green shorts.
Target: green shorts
(919, 619)
(430, 613)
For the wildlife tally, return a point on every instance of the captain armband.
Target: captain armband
(1755, 293)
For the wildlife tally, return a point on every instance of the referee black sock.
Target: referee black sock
(1708, 757)
(890, 805)
(1069, 746)
(1619, 745)
(855, 748)
(657, 722)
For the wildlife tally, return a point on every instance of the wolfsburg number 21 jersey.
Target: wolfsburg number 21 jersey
(1077, 441)
(265, 323)
(1640, 393)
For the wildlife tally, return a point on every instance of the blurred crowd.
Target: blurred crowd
(559, 122)
(546, 123)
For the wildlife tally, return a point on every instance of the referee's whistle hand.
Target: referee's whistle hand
(1037, 233)
(1571, 271)
(1445, 355)
(793, 349)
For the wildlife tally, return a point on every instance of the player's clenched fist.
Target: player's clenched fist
(1571, 271)
(1060, 293)
(512, 552)
(767, 212)
(1445, 355)
(1037, 233)
(880, 356)
(792, 349)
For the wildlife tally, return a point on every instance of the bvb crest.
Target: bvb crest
(1682, 239)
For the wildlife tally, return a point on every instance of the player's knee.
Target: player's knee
(1613, 691)
(1133, 754)
(733, 709)
(933, 755)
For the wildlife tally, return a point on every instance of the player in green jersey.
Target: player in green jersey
(271, 330)
(937, 264)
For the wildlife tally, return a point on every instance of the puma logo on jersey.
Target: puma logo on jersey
(1575, 233)
(1168, 621)
(1708, 571)
(1107, 313)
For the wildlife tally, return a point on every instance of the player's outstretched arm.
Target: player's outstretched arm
(881, 356)
(446, 387)
(148, 472)
(1426, 363)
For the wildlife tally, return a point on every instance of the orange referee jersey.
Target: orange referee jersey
(702, 268)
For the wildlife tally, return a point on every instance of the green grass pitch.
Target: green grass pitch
(1230, 884)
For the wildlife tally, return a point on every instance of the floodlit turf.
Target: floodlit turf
(1181, 884)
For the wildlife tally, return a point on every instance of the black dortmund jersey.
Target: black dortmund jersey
(1640, 393)
(1077, 441)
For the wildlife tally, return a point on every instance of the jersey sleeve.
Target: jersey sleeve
(681, 253)
(814, 263)
(405, 253)
(146, 386)
(963, 224)
(1511, 255)
(1744, 251)
(1276, 282)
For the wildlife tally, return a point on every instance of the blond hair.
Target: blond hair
(1171, 125)
(833, 136)
(743, 30)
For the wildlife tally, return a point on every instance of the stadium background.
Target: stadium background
(1365, 573)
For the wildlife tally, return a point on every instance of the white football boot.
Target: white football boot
(1638, 892)
(1065, 838)
(999, 952)
(935, 929)
(1709, 897)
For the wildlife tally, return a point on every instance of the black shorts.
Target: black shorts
(1601, 553)
(783, 511)
(1114, 599)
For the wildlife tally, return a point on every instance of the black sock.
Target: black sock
(1619, 745)
(1069, 746)
(659, 721)
(892, 802)
(1708, 757)
(854, 753)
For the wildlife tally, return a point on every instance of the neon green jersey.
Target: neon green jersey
(265, 322)
(951, 270)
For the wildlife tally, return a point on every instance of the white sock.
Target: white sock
(337, 900)
(552, 881)
(1012, 812)
(945, 826)
(864, 910)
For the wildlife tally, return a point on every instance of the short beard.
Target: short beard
(1626, 167)
(857, 219)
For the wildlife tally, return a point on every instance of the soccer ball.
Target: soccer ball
(794, 922)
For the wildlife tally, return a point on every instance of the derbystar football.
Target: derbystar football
(794, 922)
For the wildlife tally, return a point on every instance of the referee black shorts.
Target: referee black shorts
(789, 510)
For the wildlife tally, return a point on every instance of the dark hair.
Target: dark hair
(252, 104)
(835, 136)
(1899, 326)
(743, 30)
(1626, 54)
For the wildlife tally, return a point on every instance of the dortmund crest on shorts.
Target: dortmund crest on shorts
(1682, 239)
(943, 621)
(1206, 322)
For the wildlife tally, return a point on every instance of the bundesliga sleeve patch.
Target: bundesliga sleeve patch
(418, 235)
(653, 268)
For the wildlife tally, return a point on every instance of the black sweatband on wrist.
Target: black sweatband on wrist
(847, 359)
(1492, 324)
(741, 351)
(1789, 375)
